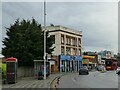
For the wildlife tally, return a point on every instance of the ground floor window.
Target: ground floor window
(70, 65)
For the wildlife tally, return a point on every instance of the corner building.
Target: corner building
(68, 47)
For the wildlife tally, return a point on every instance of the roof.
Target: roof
(64, 29)
(11, 59)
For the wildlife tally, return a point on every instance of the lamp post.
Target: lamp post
(44, 40)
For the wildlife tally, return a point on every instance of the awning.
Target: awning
(88, 57)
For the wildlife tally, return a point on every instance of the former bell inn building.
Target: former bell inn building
(68, 49)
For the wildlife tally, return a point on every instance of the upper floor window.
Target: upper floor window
(73, 41)
(62, 50)
(62, 39)
(75, 51)
(80, 52)
(79, 42)
(68, 51)
(68, 40)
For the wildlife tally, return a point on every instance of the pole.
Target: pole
(44, 40)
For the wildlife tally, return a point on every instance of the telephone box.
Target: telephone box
(11, 70)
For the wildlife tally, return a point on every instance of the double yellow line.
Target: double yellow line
(54, 83)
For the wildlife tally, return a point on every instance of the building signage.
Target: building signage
(107, 56)
(62, 57)
(78, 58)
(68, 57)
(85, 61)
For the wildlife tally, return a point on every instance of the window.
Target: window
(79, 42)
(75, 51)
(75, 41)
(108, 63)
(68, 51)
(68, 40)
(79, 52)
(62, 39)
(62, 50)
(53, 36)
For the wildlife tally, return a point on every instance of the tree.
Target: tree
(85, 53)
(25, 42)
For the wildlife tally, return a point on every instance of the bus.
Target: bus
(111, 64)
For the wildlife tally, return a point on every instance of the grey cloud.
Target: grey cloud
(98, 21)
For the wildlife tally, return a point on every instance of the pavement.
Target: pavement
(31, 82)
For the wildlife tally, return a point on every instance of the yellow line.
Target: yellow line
(54, 85)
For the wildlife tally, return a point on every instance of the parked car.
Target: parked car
(103, 70)
(100, 68)
(118, 71)
(83, 70)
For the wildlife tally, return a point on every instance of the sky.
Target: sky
(98, 21)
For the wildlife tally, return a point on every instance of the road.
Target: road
(95, 79)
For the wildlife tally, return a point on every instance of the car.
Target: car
(100, 68)
(103, 70)
(83, 70)
(118, 71)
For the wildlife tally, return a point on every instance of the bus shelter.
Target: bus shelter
(39, 69)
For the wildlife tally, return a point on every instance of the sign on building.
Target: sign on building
(108, 56)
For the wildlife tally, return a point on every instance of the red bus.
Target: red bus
(111, 64)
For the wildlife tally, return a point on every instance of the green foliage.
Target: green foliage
(3, 70)
(85, 53)
(25, 42)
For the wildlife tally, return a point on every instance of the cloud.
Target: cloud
(97, 21)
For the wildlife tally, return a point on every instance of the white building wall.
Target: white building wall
(57, 45)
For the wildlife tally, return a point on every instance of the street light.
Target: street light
(44, 40)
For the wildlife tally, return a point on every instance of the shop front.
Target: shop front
(70, 63)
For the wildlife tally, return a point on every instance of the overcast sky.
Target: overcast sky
(98, 21)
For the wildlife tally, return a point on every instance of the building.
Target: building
(106, 54)
(68, 47)
(91, 58)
